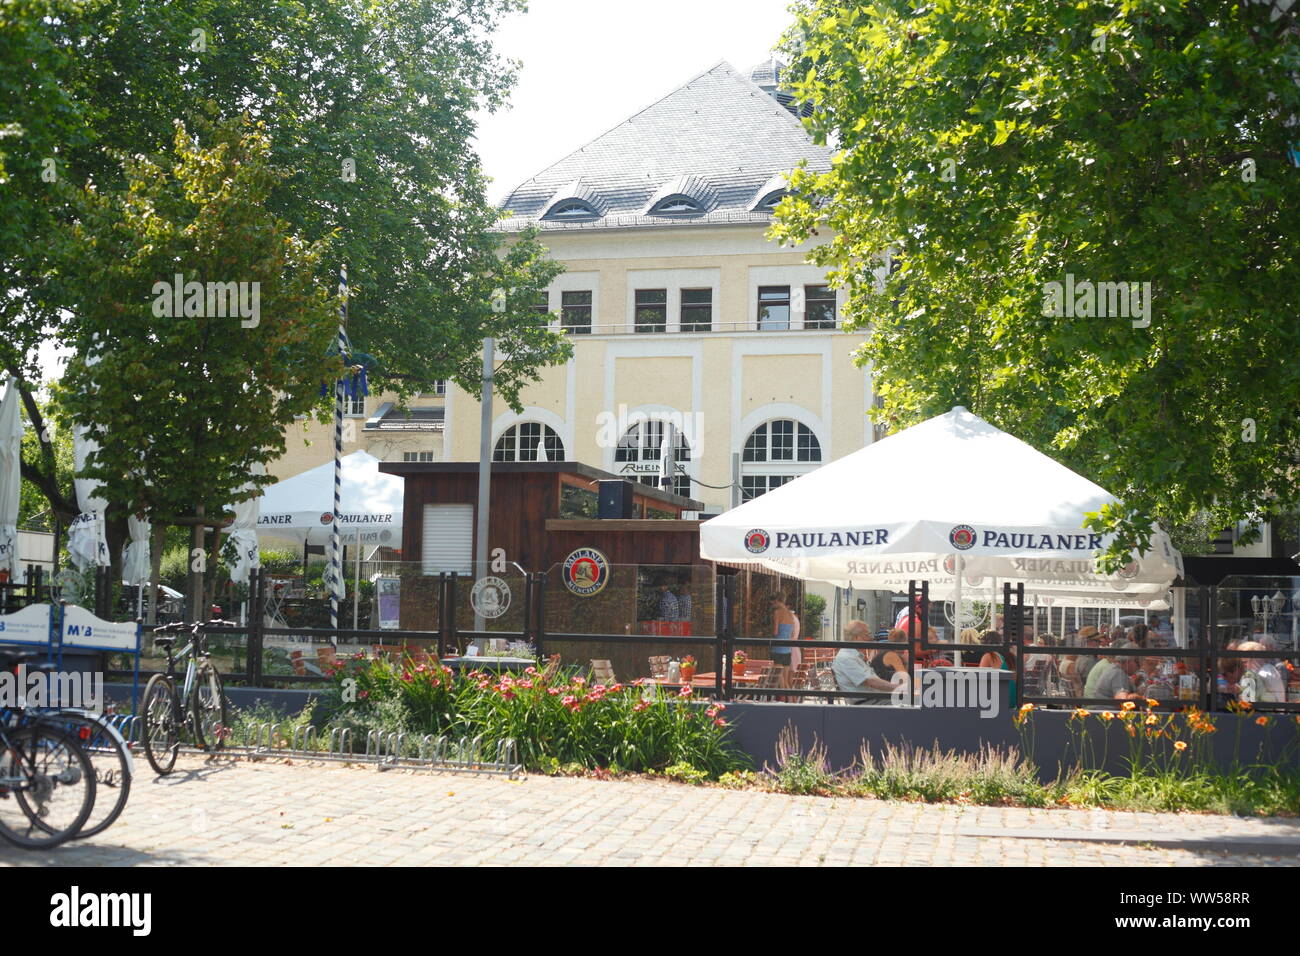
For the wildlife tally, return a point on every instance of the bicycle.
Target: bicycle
(202, 694)
(47, 782)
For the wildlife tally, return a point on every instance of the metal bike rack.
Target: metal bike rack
(387, 751)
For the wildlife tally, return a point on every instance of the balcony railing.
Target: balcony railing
(715, 328)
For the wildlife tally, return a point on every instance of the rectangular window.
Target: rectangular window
(440, 387)
(576, 312)
(652, 310)
(782, 440)
(448, 539)
(773, 308)
(354, 407)
(819, 307)
(751, 486)
(697, 310)
(541, 305)
(417, 456)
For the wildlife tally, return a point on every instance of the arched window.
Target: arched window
(776, 452)
(676, 206)
(529, 441)
(769, 202)
(638, 452)
(571, 209)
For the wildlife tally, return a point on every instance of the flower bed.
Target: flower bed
(556, 717)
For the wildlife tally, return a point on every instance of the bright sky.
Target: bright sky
(590, 64)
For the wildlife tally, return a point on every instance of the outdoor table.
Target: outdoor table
(489, 663)
(707, 680)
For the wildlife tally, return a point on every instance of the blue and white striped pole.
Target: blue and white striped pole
(336, 550)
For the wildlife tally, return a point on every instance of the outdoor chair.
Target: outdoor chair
(770, 677)
(602, 672)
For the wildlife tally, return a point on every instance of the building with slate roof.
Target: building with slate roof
(682, 313)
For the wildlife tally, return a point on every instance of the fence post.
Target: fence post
(720, 657)
(452, 638)
(528, 608)
(256, 621)
(1020, 647)
(539, 629)
(1208, 658)
(442, 614)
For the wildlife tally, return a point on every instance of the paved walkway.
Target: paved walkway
(226, 811)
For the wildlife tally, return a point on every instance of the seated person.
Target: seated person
(1090, 637)
(853, 672)
(970, 638)
(1262, 681)
(1229, 680)
(1112, 678)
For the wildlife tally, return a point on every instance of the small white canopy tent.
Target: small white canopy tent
(300, 508)
(951, 493)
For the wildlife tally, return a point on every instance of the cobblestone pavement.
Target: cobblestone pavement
(239, 812)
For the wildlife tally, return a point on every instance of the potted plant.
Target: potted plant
(738, 664)
(688, 669)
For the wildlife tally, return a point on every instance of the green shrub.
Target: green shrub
(555, 718)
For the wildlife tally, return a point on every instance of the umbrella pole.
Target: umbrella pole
(356, 582)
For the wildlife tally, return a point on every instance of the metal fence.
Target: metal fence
(1175, 677)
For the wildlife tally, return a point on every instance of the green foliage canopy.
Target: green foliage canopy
(994, 148)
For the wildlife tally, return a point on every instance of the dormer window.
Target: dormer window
(572, 209)
(683, 196)
(573, 202)
(676, 206)
(769, 194)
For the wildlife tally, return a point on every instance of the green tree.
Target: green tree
(183, 402)
(367, 106)
(370, 108)
(993, 149)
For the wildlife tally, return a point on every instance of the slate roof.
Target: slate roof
(720, 133)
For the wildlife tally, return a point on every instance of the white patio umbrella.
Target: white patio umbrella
(87, 545)
(299, 508)
(135, 555)
(952, 493)
(11, 443)
(243, 533)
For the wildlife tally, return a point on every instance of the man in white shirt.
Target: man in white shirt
(1262, 681)
(852, 672)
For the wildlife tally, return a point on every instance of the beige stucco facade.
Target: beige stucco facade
(716, 386)
(309, 443)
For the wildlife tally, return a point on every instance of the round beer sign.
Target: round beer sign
(490, 597)
(586, 571)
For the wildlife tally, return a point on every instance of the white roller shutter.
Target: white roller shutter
(448, 543)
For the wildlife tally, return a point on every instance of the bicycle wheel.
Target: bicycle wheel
(47, 787)
(111, 757)
(161, 735)
(208, 708)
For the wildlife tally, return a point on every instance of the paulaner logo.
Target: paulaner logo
(1086, 300)
(213, 300)
(74, 909)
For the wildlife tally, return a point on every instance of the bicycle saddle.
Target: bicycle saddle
(164, 640)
